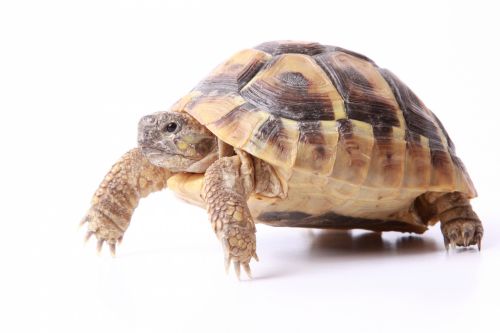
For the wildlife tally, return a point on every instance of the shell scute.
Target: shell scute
(208, 108)
(417, 162)
(386, 170)
(354, 151)
(281, 47)
(317, 145)
(234, 73)
(293, 86)
(275, 141)
(366, 94)
(237, 126)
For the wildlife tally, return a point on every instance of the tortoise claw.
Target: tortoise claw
(227, 262)
(99, 245)
(100, 242)
(112, 249)
(247, 269)
(236, 265)
(87, 236)
(103, 229)
(453, 238)
(83, 221)
(462, 232)
(446, 243)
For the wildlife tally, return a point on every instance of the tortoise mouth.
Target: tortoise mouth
(157, 153)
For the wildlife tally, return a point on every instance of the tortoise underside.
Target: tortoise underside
(333, 220)
(311, 206)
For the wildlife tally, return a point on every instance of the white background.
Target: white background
(75, 77)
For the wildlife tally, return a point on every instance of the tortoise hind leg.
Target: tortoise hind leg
(459, 223)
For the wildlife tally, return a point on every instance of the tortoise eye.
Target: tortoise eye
(171, 127)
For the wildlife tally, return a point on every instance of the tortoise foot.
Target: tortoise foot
(103, 228)
(462, 232)
(239, 248)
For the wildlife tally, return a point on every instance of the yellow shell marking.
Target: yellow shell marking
(207, 109)
(240, 62)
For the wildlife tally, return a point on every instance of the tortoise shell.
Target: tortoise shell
(329, 112)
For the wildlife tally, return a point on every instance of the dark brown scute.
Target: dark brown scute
(281, 47)
(411, 137)
(289, 98)
(277, 48)
(322, 62)
(439, 158)
(382, 133)
(351, 146)
(360, 103)
(413, 144)
(333, 220)
(384, 145)
(354, 54)
(273, 132)
(310, 133)
(345, 129)
(458, 162)
(416, 119)
(412, 108)
(451, 145)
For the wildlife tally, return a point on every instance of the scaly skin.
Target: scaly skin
(459, 223)
(131, 178)
(228, 183)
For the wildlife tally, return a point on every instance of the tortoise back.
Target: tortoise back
(330, 112)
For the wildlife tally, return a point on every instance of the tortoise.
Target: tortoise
(295, 134)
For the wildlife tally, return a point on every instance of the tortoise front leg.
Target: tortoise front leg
(228, 183)
(131, 178)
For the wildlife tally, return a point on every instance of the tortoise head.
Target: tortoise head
(176, 141)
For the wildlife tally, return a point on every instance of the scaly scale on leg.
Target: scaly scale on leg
(226, 191)
(460, 225)
(131, 178)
